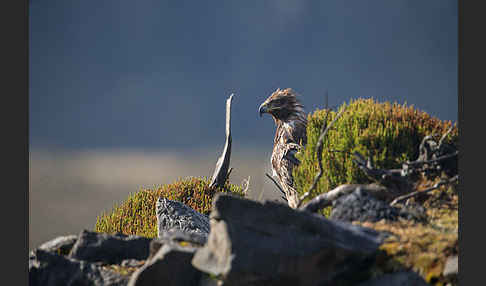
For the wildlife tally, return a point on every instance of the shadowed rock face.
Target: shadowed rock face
(49, 269)
(270, 243)
(102, 247)
(397, 279)
(171, 265)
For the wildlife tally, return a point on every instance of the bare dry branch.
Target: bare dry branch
(435, 186)
(246, 182)
(229, 173)
(326, 199)
(444, 136)
(375, 174)
(429, 162)
(319, 146)
(276, 184)
(441, 158)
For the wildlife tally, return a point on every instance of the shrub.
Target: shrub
(389, 133)
(136, 216)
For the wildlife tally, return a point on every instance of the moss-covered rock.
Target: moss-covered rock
(421, 247)
(136, 215)
(389, 133)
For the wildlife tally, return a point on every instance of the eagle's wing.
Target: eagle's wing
(291, 150)
(283, 163)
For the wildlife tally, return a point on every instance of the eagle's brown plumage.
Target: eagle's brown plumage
(291, 122)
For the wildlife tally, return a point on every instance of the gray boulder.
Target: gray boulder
(50, 269)
(171, 265)
(173, 215)
(109, 248)
(269, 243)
(362, 206)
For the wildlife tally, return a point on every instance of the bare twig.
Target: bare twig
(319, 146)
(247, 185)
(429, 160)
(435, 186)
(276, 184)
(428, 138)
(444, 136)
(319, 154)
(376, 174)
(227, 175)
(423, 162)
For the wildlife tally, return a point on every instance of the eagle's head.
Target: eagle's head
(283, 105)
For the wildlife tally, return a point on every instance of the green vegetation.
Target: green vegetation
(136, 216)
(389, 133)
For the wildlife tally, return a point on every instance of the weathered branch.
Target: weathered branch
(444, 136)
(221, 172)
(423, 162)
(391, 178)
(319, 162)
(319, 147)
(229, 173)
(326, 199)
(435, 186)
(276, 184)
(431, 155)
(247, 185)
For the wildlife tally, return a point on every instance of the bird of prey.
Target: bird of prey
(290, 119)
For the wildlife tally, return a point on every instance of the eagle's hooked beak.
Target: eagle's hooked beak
(262, 109)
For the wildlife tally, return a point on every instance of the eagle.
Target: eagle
(290, 136)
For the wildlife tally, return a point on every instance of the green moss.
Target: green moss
(389, 133)
(136, 216)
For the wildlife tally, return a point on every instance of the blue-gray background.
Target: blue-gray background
(126, 94)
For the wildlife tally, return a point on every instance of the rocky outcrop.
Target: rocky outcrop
(249, 243)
